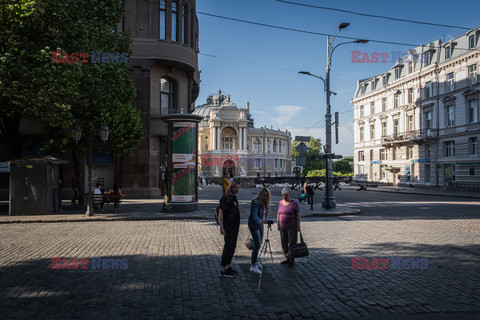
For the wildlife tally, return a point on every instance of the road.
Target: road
(173, 265)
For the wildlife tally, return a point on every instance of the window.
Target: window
(383, 173)
(472, 74)
(397, 73)
(472, 146)
(448, 52)
(361, 156)
(185, 24)
(257, 163)
(205, 147)
(361, 111)
(450, 116)
(255, 145)
(450, 82)
(428, 151)
(395, 127)
(276, 163)
(167, 96)
(227, 143)
(384, 80)
(410, 67)
(360, 170)
(361, 134)
(396, 102)
(428, 89)
(472, 111)
(162, 32)
(426, 58)
(384, 129)
(372, 132)
(410, 152)
(394, 153)
(383, 154)
(410, 95)
(449, 148)
(175, 35)
(374, 84)
(410, 123)
(428, 119)
(384, 104)
(471, 42)
(363, 88)
(371, 156)
(274, 145)
(372, 107)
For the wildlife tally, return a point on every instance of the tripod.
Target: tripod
(265, 248)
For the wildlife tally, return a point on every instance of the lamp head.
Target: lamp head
(305, 72)
(343, 25)
(361, 41)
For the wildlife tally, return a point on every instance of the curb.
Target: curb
(426, 193)
(108, 219)
(333, 214)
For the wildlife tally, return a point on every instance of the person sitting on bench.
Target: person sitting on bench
(115, 195)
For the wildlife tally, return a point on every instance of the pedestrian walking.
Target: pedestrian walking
(229, 220)
(225, 182)
(288, 220)
(259, 208)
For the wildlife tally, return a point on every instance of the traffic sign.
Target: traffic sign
(302, 138)
(301, 161)
(302, 148)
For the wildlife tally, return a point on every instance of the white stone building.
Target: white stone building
(229, 142)
(418, 122)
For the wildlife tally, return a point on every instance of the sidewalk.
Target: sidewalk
(151, 209)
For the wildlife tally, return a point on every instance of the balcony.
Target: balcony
(407, 137)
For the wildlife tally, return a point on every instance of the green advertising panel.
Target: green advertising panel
(184, 144)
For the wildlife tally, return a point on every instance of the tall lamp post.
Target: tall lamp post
(329, 199)
(77, 135)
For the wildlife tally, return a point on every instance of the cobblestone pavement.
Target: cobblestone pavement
(173, 271)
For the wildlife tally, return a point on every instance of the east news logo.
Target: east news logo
(389, 263)
(92, 263)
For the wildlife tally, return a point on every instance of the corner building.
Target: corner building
(229, 142)
(418, 123)
(164, 67)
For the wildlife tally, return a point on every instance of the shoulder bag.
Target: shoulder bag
(299, 250)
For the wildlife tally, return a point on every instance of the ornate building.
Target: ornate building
(229, 142)
(418, 123)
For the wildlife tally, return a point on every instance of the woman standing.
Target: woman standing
(288, 218)
(259, 208)
(229, 219)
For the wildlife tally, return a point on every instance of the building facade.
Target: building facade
(164, 67)
(418, 122)
(228, 142)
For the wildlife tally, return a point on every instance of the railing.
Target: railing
(423, 134)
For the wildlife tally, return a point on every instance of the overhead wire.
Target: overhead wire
(374, 16)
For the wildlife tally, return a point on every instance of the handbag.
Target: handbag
(299, 250)
(249, 243)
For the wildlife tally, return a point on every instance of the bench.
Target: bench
(104, 199)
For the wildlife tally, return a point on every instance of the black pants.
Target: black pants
(288, 236)
(231, 227)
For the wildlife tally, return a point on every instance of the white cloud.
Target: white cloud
(282, 115)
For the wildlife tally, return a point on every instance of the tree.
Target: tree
(314, 148)
(59, 96)
(343, 165)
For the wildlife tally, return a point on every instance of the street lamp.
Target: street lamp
(326, 151)
(77, 134)
(329, 199)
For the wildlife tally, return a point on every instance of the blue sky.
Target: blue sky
(260, 65)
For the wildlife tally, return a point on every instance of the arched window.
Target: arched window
(167, 95)
(255, 145)
(205, 147)
(274, 145)
(229, 139)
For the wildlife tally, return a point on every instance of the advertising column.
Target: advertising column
(182, 163)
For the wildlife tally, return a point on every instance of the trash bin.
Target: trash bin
(35, 186)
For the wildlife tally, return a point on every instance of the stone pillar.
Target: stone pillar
(245, 138)
(214, 138)
(219, 142)
(240, 138)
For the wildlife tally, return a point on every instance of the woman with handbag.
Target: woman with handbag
(229, 220)
(259, 208)
(288, 220)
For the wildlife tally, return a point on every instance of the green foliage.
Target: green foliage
(314, 148)
(343, 165)
(321, 173)
(58, 96)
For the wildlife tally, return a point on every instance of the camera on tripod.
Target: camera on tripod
(269, 222)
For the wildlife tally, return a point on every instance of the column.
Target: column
(215, 129)
(240, 139)
(245, 138)
(219, 143)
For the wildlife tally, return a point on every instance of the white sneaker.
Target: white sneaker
(259, 265)
(254, 269)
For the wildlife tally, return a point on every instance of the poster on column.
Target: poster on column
(184, 145)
